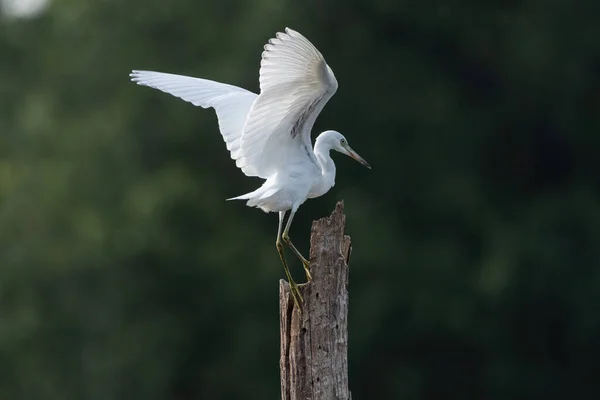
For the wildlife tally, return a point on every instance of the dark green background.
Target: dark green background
(475, 270)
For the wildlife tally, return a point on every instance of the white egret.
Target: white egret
(269, 134)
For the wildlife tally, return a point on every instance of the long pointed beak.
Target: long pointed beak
(353, 154)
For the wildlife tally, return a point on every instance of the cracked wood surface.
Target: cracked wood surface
(314, 341)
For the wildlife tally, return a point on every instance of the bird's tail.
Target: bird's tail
(242, 197)
(257, 198)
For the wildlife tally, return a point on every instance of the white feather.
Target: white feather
(269, 135)
(231, 103)
(295, 83)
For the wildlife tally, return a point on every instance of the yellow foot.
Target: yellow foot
(298, 300)
(306, 265)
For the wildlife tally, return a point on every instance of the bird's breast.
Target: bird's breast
(320, 187)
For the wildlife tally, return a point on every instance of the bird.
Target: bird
(268, 134)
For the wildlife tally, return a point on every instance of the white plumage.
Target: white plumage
(269, 134)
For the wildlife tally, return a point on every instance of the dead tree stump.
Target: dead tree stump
(314, 340)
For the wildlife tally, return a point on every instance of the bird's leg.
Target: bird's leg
(293, 287)
(286, 238)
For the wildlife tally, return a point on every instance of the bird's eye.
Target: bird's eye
(343, 141)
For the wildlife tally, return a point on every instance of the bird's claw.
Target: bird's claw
(296, 295)
(306, 265)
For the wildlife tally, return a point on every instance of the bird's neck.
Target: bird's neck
(327, 167)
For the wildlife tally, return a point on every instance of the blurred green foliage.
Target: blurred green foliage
(475, 272)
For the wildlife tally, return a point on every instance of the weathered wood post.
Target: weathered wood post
(314, 341)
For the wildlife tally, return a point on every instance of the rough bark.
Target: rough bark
(314, 340)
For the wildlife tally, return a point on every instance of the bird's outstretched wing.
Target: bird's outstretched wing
(295, 85)
(231, 103)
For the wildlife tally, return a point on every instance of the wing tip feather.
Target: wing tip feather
(137, 76)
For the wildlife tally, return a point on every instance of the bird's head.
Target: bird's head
(336, 141)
